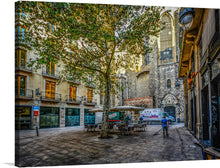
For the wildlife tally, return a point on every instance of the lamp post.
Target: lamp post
(186, 16)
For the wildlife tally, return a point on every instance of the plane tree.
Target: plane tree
(95, 40)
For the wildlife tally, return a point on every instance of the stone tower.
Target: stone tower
(157, 77)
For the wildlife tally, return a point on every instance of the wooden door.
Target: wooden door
(50, 90)
(73, 91)
(89, 96)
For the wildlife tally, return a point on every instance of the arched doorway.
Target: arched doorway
(170, 110)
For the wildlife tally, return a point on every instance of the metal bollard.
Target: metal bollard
(37, 131)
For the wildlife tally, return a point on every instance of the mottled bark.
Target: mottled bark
(106, 108)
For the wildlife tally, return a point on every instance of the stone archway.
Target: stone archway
(169, 104)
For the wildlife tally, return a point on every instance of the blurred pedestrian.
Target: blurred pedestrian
(165, 125)
(141, 118)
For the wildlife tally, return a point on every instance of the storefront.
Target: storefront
(22, 117)
(89, 118)
(72, 117)
(215, 99)
(49, 117)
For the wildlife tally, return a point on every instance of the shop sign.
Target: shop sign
(36, 110)
(35, 113)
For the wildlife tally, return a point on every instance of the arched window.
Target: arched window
(168, 83)
(166, 55)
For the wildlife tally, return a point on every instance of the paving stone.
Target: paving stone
(77, 147)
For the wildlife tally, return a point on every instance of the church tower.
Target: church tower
(157, 77)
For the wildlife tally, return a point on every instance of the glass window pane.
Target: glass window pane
(52, 69)
(22, 85)
(23, 33)
(23, 58)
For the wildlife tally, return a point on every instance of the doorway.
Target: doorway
(170, 110)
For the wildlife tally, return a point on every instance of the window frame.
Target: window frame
(18, 61)
(18, 88)
(168, 83)
(73, 90)
(88, 96)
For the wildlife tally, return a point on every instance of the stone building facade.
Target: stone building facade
(200, 68)
(40, 101)
(158, 75)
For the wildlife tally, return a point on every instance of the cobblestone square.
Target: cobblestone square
(74, 146)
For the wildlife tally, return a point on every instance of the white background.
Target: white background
(7, 81)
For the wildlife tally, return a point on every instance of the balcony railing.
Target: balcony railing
(73, 100)
(50, 96)
(23, 93)
(52, 74)
(89, 84)
(73, 80)
(23, 68)
(90, 102)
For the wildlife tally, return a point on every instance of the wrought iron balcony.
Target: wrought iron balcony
(90, 102)
(74, 80)
(52, 74)
(73, 100)
(50, 96)
(23, 93)
(89, 84)
(23, 68)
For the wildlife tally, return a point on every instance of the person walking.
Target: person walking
(141, 119)
(165, 125)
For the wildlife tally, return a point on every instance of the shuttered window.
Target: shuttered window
(50, 90)
(73, 92)
(50, 69)
(20, 85)
(89, 96)
(21, 58)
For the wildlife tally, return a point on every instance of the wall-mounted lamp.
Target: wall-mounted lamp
(186, 16)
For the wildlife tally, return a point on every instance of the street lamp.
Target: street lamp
(186, 16)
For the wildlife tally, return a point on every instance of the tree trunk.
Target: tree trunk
(106, 108)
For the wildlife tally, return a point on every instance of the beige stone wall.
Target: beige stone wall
(35, 80)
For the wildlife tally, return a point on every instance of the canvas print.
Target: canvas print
(110, 84)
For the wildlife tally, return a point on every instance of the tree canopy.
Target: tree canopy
(89, 39)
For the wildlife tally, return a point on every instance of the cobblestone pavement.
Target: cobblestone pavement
(74, 146)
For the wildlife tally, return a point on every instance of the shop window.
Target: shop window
(72, 92)
(89, 95)
(89, 118)
(50, 90)
(72, 117)
(20, 85)
(21, 58)
(168, 83)
(22, 118)
(49, 117)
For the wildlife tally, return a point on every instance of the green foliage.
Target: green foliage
(107, 38)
